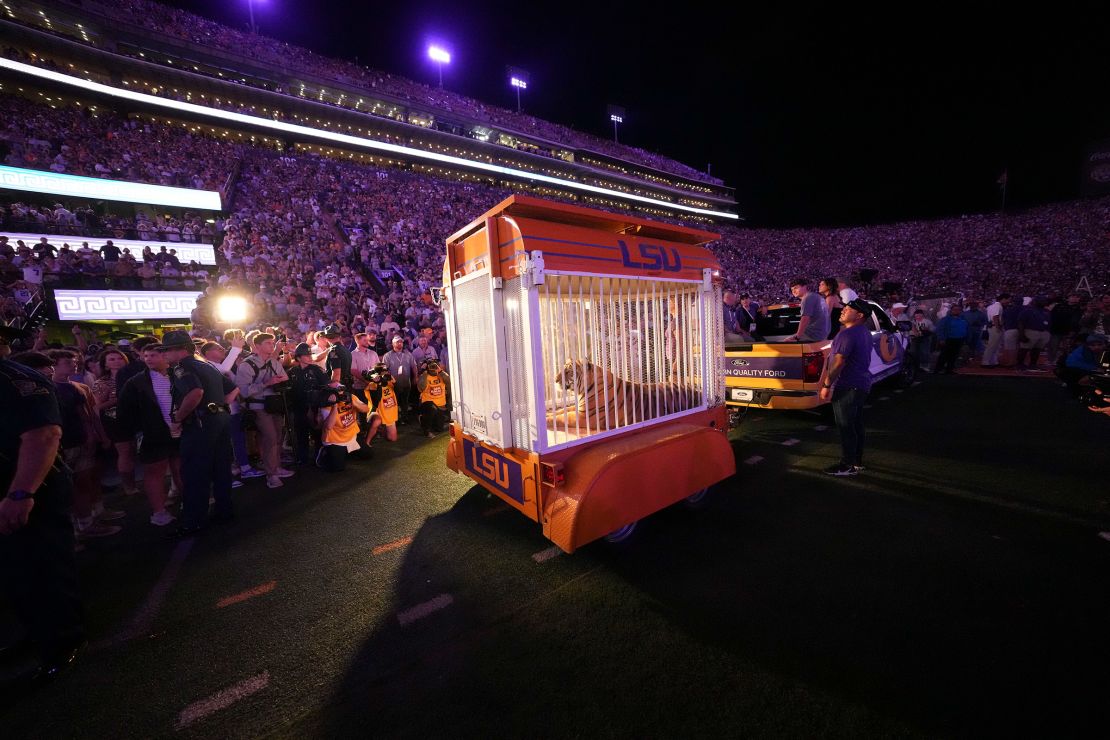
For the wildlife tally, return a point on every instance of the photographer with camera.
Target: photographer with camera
(380, 387)
(262, 382)
(306, 382)
(435, 397)
(339, 428)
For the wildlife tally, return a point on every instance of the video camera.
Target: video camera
(379, 375)
(1097, 393)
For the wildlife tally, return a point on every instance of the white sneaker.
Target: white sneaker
(249, 472)
(162, 518)
(236, 484)
(274, 482)
(283, 473)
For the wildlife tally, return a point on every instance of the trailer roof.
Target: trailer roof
(526, 206)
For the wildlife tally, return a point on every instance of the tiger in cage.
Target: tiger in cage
(606, 401)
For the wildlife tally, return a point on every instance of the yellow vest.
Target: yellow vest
(387, 407)
(345, 428)
(435, 390)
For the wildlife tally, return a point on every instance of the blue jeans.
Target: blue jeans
(239, 441)
(847, 406)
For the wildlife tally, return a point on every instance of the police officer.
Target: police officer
(200, 398)
(36, 535)
(338, 365)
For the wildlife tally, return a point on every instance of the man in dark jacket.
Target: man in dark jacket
(305, 379)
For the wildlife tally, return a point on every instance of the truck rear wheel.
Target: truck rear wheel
(907, 373)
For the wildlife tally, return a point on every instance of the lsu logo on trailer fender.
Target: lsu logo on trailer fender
(655, 257)
(499, 472)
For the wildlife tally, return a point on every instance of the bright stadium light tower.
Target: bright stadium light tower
(616, 115)
(518, 78)
(440, 56)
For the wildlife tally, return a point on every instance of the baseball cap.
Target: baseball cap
(332, 331)
(178, 338)
(302, 349)
(862, 306)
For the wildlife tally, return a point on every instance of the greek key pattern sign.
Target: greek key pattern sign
(118, 305)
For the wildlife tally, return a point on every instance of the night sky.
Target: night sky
(817, 116)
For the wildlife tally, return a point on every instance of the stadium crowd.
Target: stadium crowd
(84, 142)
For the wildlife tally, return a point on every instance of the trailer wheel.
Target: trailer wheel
(621, 534)
(696, 499)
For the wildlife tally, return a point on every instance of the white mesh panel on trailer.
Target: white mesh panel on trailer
(520, 389)
(477, 374)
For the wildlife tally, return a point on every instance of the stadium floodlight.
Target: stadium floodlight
(440, 56)
(231, 309)
(518, 78)
(361, 142)
(616, 115)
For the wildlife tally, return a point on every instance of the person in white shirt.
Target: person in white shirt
(994, 331)
(256, 377)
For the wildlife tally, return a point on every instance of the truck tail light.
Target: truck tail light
(552, 474)
(812, 365)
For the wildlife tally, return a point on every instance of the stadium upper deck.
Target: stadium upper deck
(148, 52)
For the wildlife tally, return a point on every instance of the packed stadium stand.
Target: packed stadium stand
(315, 229)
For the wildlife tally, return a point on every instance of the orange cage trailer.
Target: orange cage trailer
(585, 352)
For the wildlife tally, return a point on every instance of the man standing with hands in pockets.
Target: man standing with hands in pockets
(847, 382)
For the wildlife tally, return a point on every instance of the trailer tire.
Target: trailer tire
(697, 499)
(621, 534)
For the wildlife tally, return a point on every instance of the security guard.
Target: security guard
(36, 535)
(200, 399)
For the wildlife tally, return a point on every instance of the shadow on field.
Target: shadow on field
(818, 607)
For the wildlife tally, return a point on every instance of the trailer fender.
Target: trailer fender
(612, 483)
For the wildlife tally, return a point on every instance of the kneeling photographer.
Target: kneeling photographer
(435, 397)
(381, 392)
(262, 382)
(307, 384)
(339, 430)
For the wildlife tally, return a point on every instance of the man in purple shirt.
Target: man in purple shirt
(846, 382)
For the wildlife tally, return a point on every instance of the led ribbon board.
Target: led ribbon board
(118, 305)
(358, 141)
(202, 254)
(75, 186)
